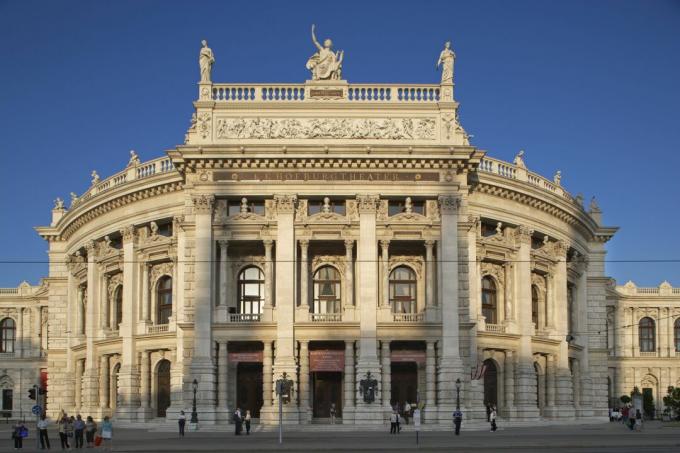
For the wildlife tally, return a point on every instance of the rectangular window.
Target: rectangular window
(7, 399)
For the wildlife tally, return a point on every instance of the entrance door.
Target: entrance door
(490, 383)
(404, 383)
(249, 388)
(163, 388)
(327, 390)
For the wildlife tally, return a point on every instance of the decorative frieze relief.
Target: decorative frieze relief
(412, 261)
(495, 270)
(203, 204)
(367, 203)
(448, 204)
(158, 270)
(221, 214)
(285, 204)
(523, 234)
(339, 128)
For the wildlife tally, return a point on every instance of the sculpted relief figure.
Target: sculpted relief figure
(206, 59)
(325, 64)
(446, 60)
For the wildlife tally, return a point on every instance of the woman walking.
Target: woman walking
(181, 421)
(42, 430)
(63, 423)
(247, 420)
(78, 429)
(492, 418)
(90, 430)
(107, 433)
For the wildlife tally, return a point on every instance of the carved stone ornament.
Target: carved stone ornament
(76, 263)
(159, 270)
(367, 203)
(285, 204)
(338, 262)
(222, 213)
(494, 270)
(338, 128)
(115, 281)
(413, 262)
(432, 210)
(204, 125)
(301, 211)
(352, 210)
(128, 233)
(538, 281)
(383, 210)
(203, 204)
(523, 234)
(448, 204)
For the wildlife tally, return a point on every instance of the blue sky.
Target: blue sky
(587, 87)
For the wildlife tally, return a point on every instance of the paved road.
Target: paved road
(610, 437)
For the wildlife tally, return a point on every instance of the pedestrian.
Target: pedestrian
(19, 431)
(398, 423)
(78, 428)
(181, 421)
(63, 422)
(247, 420)
(457, 420)
(42, 429)
(90, 430)
(237, 422)
(107, 433)
(393, 422)
(332, 412)
(69, 429)
(638, 420)
(624, 415)
(488, 412)
(407, 411)
(492, 417)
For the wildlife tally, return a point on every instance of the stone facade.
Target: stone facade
(328, 230)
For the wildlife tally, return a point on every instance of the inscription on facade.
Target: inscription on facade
(326, 93)
(349, 176)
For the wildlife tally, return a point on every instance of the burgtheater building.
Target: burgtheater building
(349, 236)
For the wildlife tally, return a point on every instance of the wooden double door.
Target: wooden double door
(327, 387)
(249, 388)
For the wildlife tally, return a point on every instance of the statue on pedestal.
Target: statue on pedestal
(446, 60)
(325, 64)
(206, 59)
(519, 159)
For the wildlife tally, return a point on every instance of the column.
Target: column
(146, 316)
(550, 390)
(563, 383)
(223, 377)
(586, 399)
(19, 352)
(386, 387)
(267, 378)
(385, 256)
(225, 284)
(349, 274)
(525, 402)
(80, 364)
(509, 375)
(202, 365)
(89, 397)
(474, 281)
(450, 364)
(509, 309)
(104, 303)
(305, 412)
(429, 273)
(268, 279)
(104, 382)
(430, 380)
(348, 407)
(634, 327)
(304, 275)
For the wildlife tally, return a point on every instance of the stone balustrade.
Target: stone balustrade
(244, 317)
(494, 328)
(407, 317)
(325, 317)
(664, 289)
(161, 328)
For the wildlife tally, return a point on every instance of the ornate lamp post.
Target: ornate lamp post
(458, 394)
(284, 389)
(194, 415)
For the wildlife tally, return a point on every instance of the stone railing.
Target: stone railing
(9, 291)
(407, 317)
(511, 171)
(325, 317)
(244, 317)
(131, 173)
(288, 92)
(664, 290)
(494, 328)
(648, 354)
(6, 355)
(161, 328)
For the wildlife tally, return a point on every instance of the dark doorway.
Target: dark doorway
(7, 399)
(327, 390)
(404, 383)
(490, 383)
(249, 388)
(163, 388)
(648, 403)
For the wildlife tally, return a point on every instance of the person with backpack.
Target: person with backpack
(19, 431)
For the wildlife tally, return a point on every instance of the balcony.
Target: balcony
(325, 317)
(649, 354)
(494, 328)
(6, 355)
(244, 318)
(160, 328)
(407, 317)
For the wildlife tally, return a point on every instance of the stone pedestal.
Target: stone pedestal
(128, 393)
(368, 413)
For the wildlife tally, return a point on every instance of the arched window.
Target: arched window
(164, 299)
(7, 335)
(489, 300)
(676, 328)
(535, 297)
(118, 303)
(327, 290)
(251, 290)
(647, 334)
(403, 290)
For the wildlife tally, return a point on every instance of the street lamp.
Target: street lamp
(284, 390)
(458, 394)
(194, 415)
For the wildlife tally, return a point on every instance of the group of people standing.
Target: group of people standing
(240, 420)
(70, 429)
(631, 417)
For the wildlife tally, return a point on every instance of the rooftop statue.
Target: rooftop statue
(446, 60)
(325, 64)
(134, 158)
(206, 59)
(519, 159)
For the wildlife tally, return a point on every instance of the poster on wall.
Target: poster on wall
(326, 360)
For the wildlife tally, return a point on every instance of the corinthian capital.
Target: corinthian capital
(128, 233)
(285, 204)
(448, 204)
(523, 234)
(203, 204)
(560, 249)
(367, 203)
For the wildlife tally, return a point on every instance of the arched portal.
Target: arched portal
(113, 387)
(491, 383)
(162, 388)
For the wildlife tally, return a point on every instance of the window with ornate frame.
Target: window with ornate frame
(535, 300)
(676, 329)
(251, 290)
(489, 300)
(403, 283)
(327, 290)
(164, 300)
(647, 335)
(8, 333)
(118, 306)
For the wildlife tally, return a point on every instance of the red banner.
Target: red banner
(254, 356)
(404, 355)
(326, 360)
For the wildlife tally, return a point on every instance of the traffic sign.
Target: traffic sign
(37, 410)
